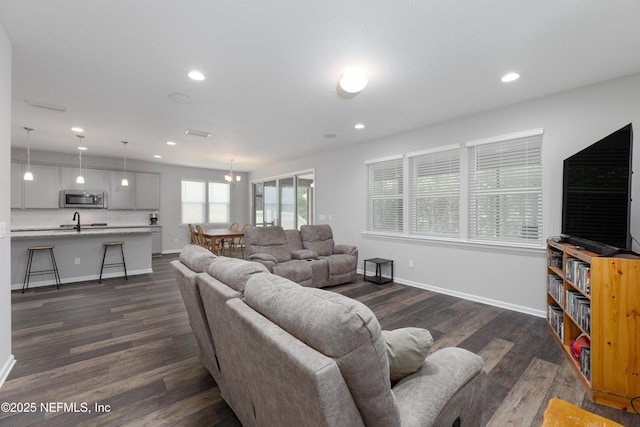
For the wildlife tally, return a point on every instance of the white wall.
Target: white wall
(174, 235)
(501, 276)
(6, 358)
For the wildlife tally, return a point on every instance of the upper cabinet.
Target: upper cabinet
(16, 185)
(44, 190)
(94, 179)
(143, 191)
(147, 191)
(121, 197)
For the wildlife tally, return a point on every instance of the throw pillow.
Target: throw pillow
(406, 350)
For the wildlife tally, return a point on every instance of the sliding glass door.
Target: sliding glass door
(285, 201)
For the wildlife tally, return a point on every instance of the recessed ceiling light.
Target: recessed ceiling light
(171, 143)
(359, 126)
(82, 148)
(353, 81)
(77, 129)
(510, 77)
(157, 156)
(196, 75)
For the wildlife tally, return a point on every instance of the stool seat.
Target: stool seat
(29, 272)
(113, 264)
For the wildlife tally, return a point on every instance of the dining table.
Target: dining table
(219, 235)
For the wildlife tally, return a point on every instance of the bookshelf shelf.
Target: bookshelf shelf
(598, 298)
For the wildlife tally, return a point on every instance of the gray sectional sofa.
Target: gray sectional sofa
(287, 355)
(308, 257)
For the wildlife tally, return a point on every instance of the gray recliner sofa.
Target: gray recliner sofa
(288, 355)
(308, 257)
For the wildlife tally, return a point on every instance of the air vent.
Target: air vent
(47, 106)
(198, 133)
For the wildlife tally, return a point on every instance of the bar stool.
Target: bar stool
(113, 264)
(53, 270)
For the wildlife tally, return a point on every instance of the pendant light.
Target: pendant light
(125, 181)
(28, 176)
(80, 178)
(230, 178)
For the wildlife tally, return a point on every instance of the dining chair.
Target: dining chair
(203, 240)
(195, 240)
(241, 245)
(229, 244)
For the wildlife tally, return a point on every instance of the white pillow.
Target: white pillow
(406, 350)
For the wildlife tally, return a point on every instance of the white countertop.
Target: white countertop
(86, 231)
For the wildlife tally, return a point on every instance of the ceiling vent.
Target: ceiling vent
(198, 133)
(47, 106)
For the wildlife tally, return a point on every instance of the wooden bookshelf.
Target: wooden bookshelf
(601, 300)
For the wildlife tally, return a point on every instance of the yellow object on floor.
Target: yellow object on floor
(563, 414)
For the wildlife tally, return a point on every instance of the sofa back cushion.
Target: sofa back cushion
(338, 327)
(294, 240)
(196, 258)
(267, 240)
(234, 272)
(318, 238)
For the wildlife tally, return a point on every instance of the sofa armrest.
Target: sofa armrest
(303, 254)
(267, 260)
(450, 384)
(345, 249)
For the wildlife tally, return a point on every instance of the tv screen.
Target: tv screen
(596, 199)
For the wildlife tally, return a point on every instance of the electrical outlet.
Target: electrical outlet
(77, 261)
(410, 263)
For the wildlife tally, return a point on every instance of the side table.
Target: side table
(378, 277)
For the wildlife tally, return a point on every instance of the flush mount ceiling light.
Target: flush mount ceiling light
(229, 177)
(353, 81)
(80, 178)
(359, 126)
(198, 133)
(125, 181)
(157, 156)
(196, 75)
(28, 176)
(171, 143)
(510, 77)
(77, 129)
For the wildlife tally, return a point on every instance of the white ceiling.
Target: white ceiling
(272, 69)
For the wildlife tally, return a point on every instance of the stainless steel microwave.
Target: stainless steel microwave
(83, 199)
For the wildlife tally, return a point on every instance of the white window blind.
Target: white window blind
(434, 193)
(384, 195)
(505, 190)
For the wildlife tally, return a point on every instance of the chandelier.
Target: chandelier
(230, 178)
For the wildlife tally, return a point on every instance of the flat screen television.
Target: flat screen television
(596, 197)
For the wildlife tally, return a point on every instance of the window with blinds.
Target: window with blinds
(385, 194)
(434, 192)
(505, 189)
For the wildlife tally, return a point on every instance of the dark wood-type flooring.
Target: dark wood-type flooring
(127, 346)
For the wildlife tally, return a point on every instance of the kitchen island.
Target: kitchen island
(79, 253)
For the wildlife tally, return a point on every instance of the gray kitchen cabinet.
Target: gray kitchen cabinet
(120, 197)
(16, 185)
(94, 179)
(44, 191)
(147, 191)
(156, 240)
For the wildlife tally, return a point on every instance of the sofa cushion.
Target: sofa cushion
(196, 258)
(293, 240)
(338, 327)
(318, 238)
(406, 350)
(234, 272)
(267, 240)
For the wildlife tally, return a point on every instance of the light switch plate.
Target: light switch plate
(3, 229)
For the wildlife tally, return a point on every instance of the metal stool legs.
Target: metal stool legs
(113, 264)
(53, 270)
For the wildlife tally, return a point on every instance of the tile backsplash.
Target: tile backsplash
(45, 218)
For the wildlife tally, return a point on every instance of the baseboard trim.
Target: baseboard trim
(471, 297)
(6, 369)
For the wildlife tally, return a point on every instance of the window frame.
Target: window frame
(408, 231)
(206, 203)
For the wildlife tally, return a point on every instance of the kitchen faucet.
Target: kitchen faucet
(77, 214)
